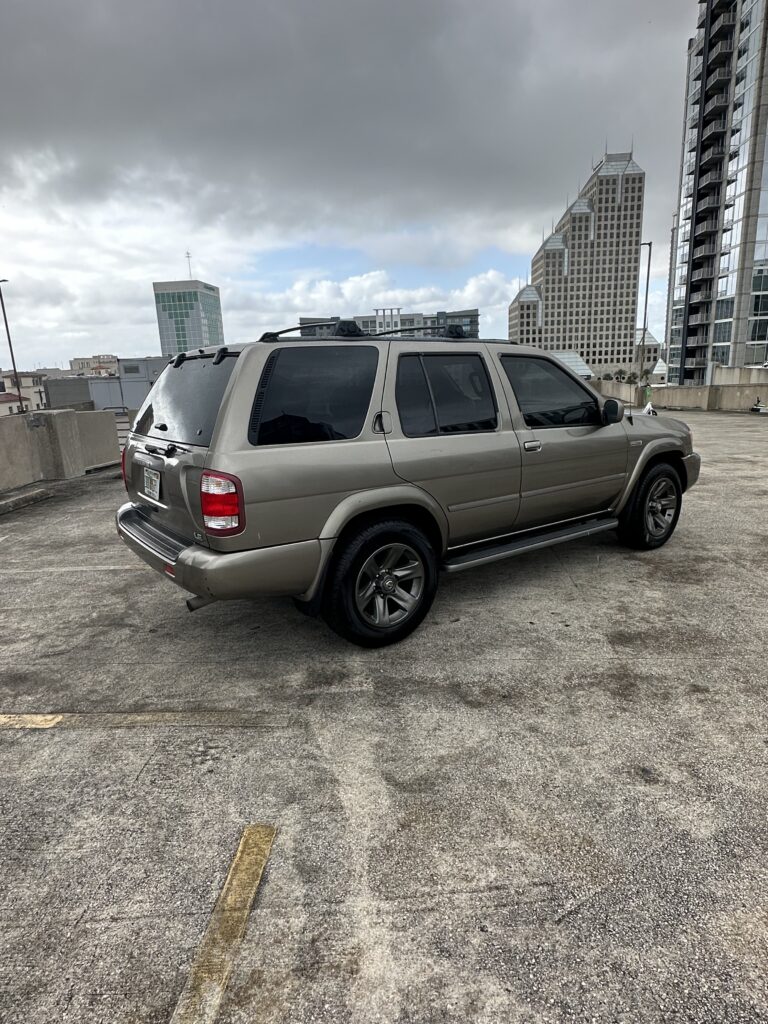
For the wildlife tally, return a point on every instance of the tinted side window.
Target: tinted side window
(308, 395)
(414, 405)
(547, 395)
(462, 393)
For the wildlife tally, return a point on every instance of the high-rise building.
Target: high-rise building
(393, 318)
(582, 295)
(188, 315)
(718, 290)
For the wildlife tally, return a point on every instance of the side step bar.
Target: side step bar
(522, 545)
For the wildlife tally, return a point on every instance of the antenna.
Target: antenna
(188, 255)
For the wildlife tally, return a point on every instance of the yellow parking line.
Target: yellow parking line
(200, 1000)
(148, 719)
(29, 721)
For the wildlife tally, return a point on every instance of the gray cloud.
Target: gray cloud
(420, 131)
(300, 114)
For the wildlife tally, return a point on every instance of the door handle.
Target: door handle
(382, 423)
(532, 446)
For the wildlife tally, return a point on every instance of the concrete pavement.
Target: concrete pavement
(547, 805)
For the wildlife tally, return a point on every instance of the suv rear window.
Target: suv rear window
(184, 401)
(312, 394)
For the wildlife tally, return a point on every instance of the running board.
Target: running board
(521, 546)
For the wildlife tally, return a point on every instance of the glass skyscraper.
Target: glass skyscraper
(188, 315)
(718, 291)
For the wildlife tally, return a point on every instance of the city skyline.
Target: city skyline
(105, 187)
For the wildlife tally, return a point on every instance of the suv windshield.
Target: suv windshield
(184, 402)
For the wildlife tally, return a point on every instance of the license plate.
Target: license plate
(152, 484)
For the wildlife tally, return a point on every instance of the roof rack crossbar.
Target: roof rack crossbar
(341, 328)
(450, 330)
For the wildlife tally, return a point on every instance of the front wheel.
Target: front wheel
(651, 515)
(381, 585)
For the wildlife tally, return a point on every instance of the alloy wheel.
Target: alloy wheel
(389, 585)
(660, 507)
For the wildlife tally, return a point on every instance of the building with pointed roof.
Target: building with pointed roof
(582, 296)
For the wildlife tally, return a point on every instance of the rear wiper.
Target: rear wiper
(170, 450)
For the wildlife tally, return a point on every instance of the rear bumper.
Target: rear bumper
(692, 464)
(282, 571)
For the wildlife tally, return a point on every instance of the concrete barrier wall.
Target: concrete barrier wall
(740, 375)
(721, 398)
(98, 438)
(56, 444)
(629, 394)
(19, 459)
(683, 398)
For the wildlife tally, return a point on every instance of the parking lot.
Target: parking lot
(549, 804)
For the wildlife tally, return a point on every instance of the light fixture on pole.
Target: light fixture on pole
(4, 280)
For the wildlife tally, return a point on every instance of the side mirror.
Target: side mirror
(613, 411)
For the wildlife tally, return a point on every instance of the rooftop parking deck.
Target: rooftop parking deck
(547, 805)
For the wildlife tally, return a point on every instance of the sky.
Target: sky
(316, 158)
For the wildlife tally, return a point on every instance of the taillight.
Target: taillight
(122, 468)
(221, 500)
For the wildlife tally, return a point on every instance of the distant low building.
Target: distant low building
(574, 362)
(126, 390)
(387, 319)
(52, 372)
(129, 388)
(28, 384)
(99, 365)
(11, 403)
(652, 351)
(72, 392)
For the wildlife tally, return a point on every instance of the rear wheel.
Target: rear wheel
(381, 585)
(651, 515)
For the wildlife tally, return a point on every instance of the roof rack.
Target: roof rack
(447, 331)
(341, 329)
(351, 329)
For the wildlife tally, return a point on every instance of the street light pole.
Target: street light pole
(4, 280)
(645, 311)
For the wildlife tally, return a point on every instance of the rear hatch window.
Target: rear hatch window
(184, 401)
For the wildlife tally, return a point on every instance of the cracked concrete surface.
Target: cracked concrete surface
(547, 805)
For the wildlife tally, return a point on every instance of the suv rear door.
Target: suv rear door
(573, 464)
(165, 454)
(451, 435)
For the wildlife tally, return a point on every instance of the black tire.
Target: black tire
(651, 514)
(305, 607)
(349, 608)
